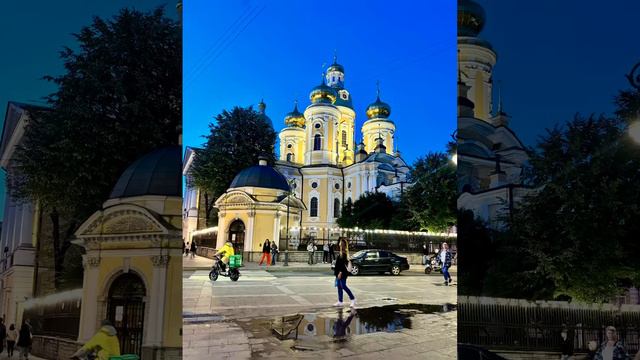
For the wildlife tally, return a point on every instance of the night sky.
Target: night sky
(32, 33)
(237, 52)
(559, 58)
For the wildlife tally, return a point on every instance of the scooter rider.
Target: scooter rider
(227, 251)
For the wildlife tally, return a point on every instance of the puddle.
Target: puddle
(308, 332)
(191, 318)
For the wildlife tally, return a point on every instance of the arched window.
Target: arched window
(344, 138)
(290, 157)
(317, 142)
(336, 208)
(313, 208)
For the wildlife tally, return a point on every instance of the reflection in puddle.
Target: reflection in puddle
(339, 325)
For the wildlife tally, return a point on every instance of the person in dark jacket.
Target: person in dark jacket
(193, 249)
(266, 252)
(3, 334)
(24, 340)
(566, 346)
(332, 253)
(274, 253)
(342, 274)
(341, 325)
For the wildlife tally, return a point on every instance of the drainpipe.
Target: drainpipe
(301, 199)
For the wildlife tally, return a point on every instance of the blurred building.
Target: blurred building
(491, 158)
(18, 240)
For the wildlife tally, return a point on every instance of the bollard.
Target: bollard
(286, 258)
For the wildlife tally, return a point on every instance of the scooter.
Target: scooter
(432, 265)
(231, 271)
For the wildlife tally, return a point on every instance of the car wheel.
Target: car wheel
(427, 270)
(355, 270)
(213, 275)
(395, 270)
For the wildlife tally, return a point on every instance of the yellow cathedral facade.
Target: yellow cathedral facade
(319, 169)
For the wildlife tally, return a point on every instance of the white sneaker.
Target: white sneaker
(339, 303)
(353, 303)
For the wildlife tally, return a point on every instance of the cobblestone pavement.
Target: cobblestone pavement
(231, 320)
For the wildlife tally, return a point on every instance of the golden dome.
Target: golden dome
(323, 94)
(378, 109)
(295, 118)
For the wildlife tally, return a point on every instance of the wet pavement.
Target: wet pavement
(235, 320)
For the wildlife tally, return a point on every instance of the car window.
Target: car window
(359, 254)
(372, 255)
(385, 254)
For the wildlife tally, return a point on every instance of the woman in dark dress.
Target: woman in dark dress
(342, 274)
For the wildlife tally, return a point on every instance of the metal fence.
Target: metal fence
(60, 319)
(538, 327)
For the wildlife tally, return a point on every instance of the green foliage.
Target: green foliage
(431, 200)
(577, 236)
(372, 210)
(235, 141)
(119, 98)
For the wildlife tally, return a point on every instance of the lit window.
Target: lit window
(313, 209)
(344, 138)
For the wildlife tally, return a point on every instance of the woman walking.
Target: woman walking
(266, 253)
(12, 336)
(342, 274)
(193, 249)
(24, 340)
(445, 259)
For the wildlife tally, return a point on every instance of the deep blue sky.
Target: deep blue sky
(409, 46)
(31, 35)
(556, 58)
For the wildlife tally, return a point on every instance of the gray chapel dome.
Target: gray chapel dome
(156, 173)
(262, 176)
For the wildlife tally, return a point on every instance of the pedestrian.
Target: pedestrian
(184, 246)
(193, 249)
(566, 346)
(332, 255)
(266, 252)
(24, 340)
(186, 250)
(104, 342)
(310, 249)
(340, 327)
(341, 273)
(3, 334)
(274, 253)
(425, 254)
(612, 348)
(325, 253)
(444, 258)
(12, 336)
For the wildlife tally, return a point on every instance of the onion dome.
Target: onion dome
(471, 18)
(335, 66)
(295, 118)
(378, 109)
(323, 94)
(261, 176)
(157, 173)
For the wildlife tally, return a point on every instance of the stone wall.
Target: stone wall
(49, 347)
(298, 256)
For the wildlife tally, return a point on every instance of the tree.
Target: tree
(119, 98)
(431, 200)
(373, 210)
(236, 140)
(578, 233)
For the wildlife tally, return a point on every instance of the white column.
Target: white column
(89, 309)
(26, 225)
(11, 219)
(222, 230)
(276, 228)
(157, 297)
(248, 239)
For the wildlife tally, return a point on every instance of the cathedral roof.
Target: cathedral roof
(471, 18)
(157, 173)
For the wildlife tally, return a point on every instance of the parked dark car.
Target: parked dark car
(377, 261)
(473, 352)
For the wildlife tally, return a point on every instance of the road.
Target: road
(232, 320)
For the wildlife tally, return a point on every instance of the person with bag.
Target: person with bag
(444, 258)
(193, 249)
(341, 273)
(105, 343)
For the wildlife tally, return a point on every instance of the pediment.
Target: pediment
(122, 219)
(235, 197)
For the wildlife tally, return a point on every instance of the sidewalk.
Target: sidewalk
(202, 263)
